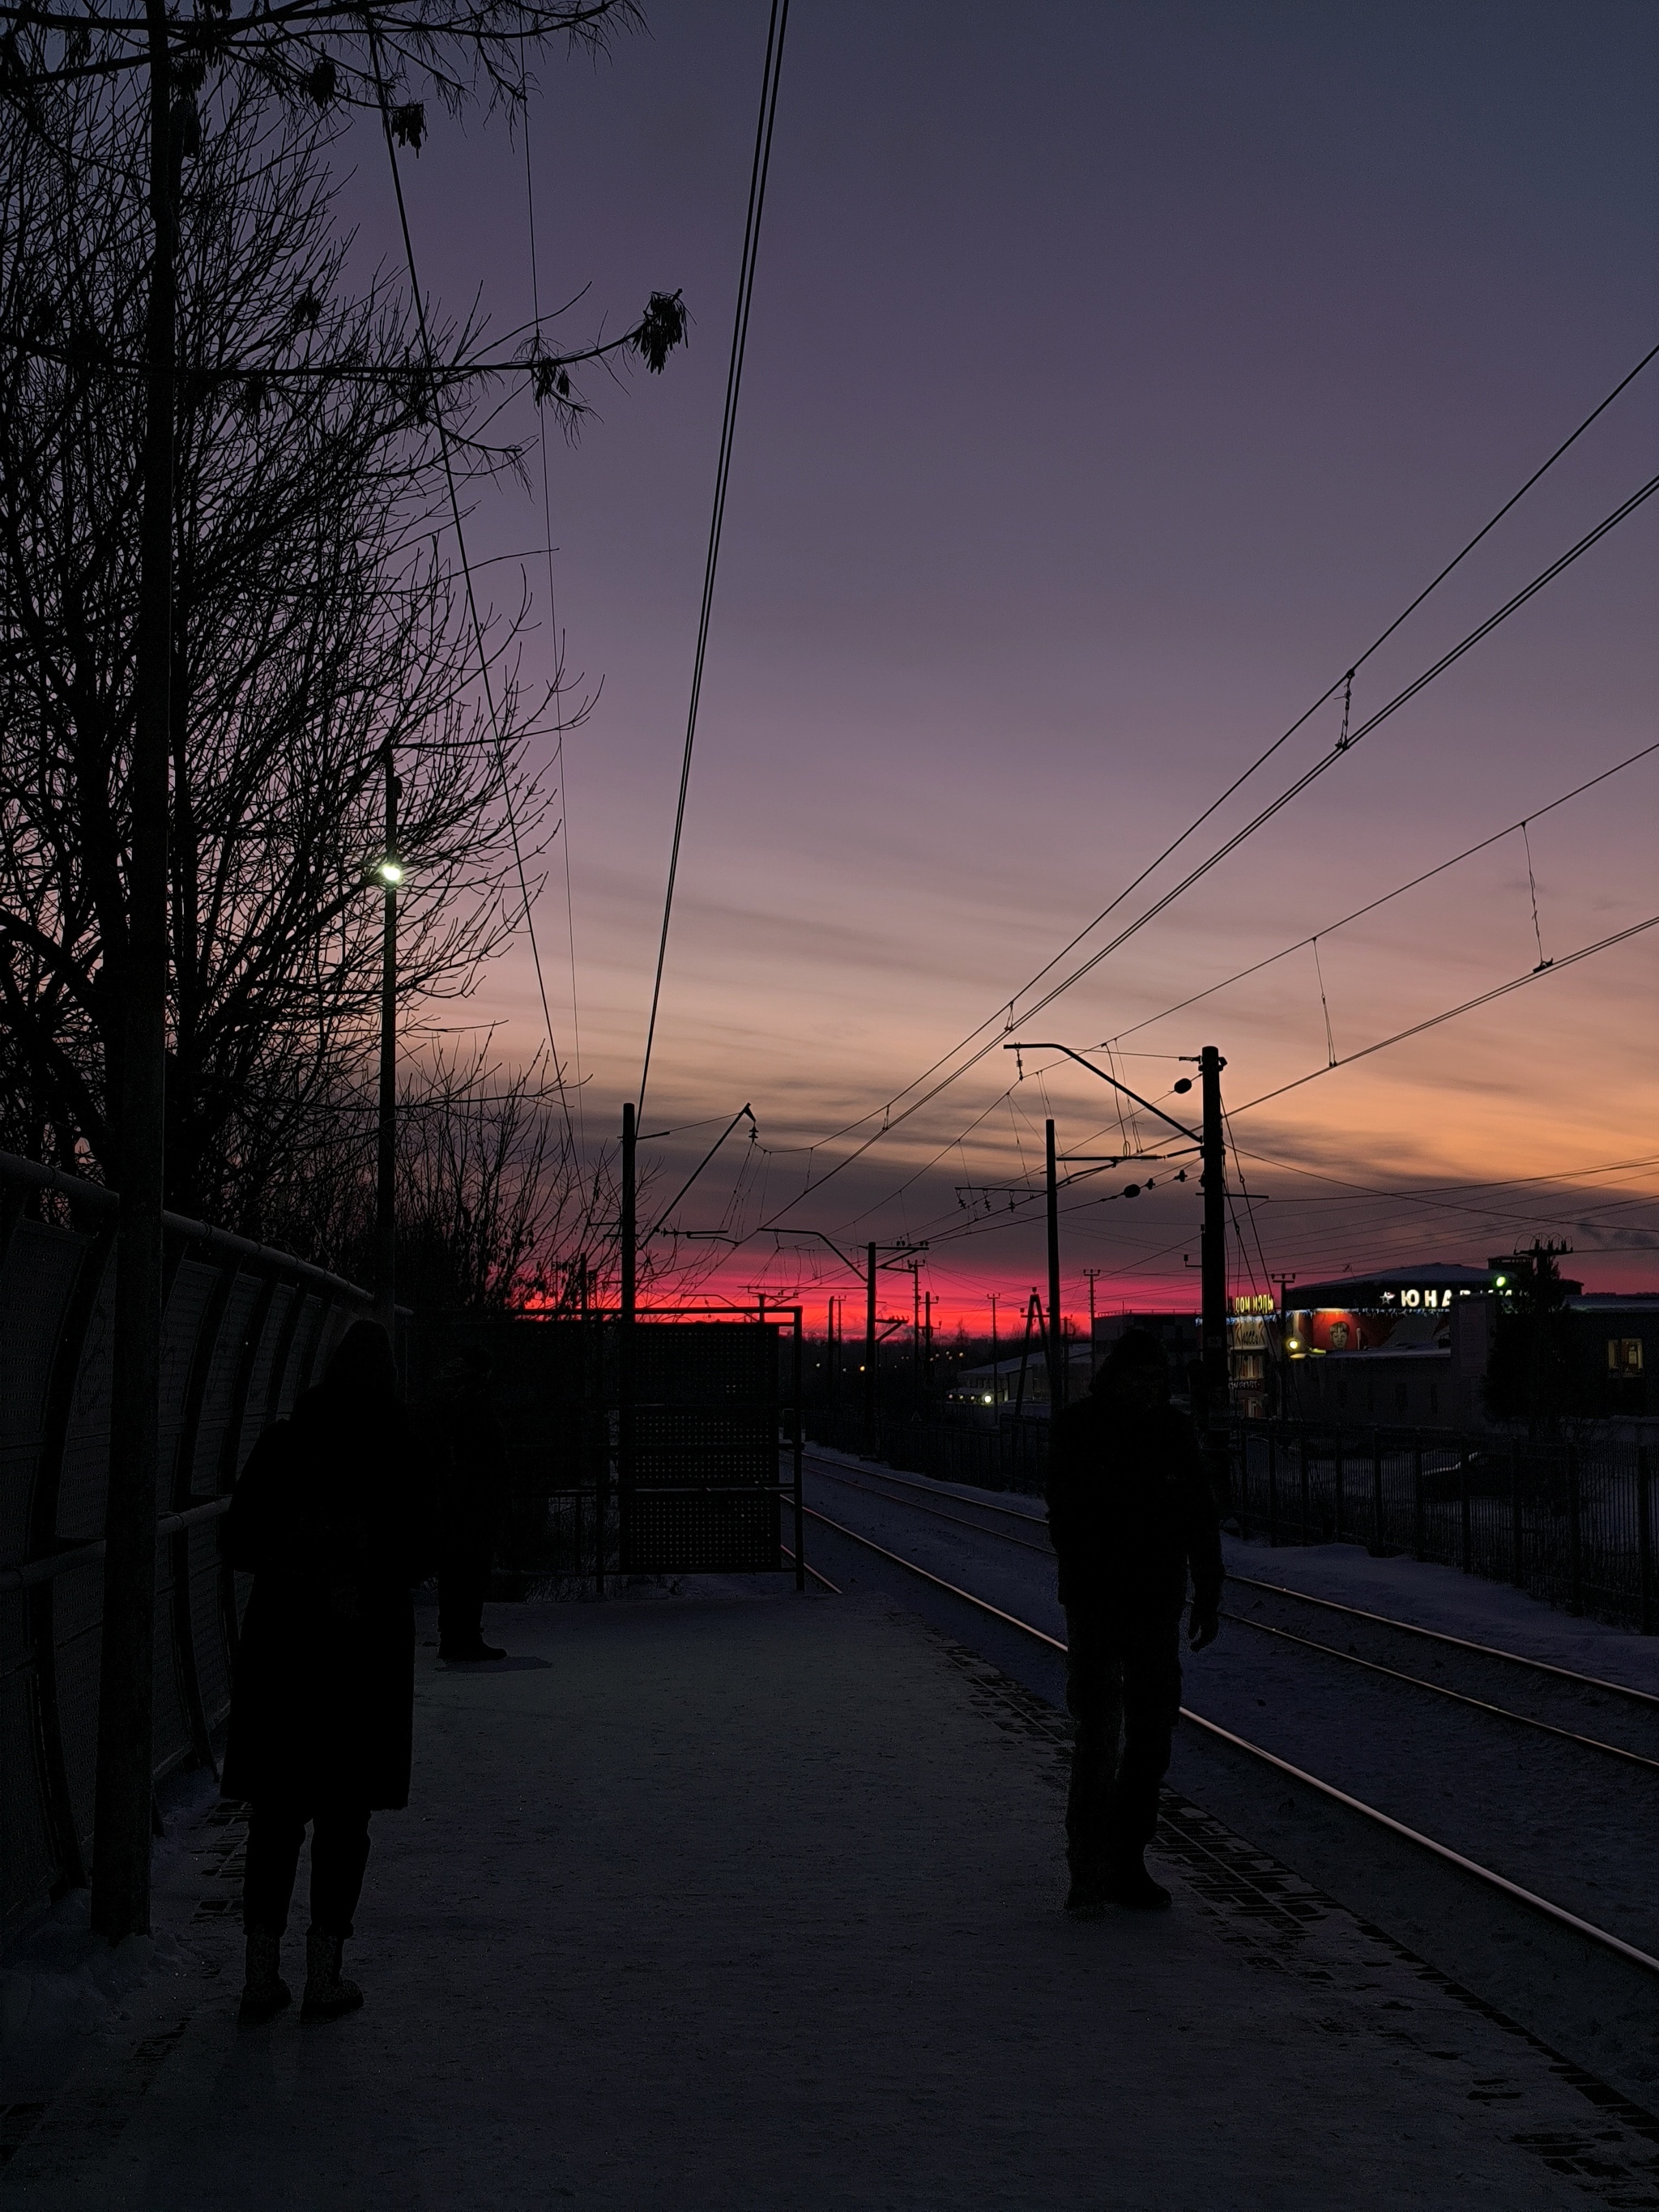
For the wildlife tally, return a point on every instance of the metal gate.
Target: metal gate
(700, 1426)
(653, 1446)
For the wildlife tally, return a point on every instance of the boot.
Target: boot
(265, 1992)
(1130, 1884)
(326, 1996)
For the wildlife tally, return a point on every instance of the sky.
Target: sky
(1116, 375)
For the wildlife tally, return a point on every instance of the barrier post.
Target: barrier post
(1420, 1538)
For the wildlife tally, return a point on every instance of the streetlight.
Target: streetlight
(388, 873)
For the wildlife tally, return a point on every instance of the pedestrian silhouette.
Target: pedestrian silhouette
(1130, 1512)
(335, 1518)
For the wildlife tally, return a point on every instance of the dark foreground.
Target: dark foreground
(734, 1900)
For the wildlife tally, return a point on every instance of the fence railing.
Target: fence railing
(1571, 1523)
(245, 1331)
(1013, 1457)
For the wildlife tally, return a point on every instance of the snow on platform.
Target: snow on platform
(728, 1900)
(1430, 1595)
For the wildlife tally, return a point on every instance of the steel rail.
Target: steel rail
(1280, 1590)
(1543, 1905)
(834, 1588)
(915, 1506)
(1011, 1512)
(1440, 1690)
(1458, 1643)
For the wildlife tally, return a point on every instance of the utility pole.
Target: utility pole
(870, 1358)
(1213, 1277)
(385, 1180)
(1093, 1273)
(628, 1226)
(1056, 1347)
(122, 1789)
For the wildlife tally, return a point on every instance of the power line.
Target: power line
(770, 75)
(1007, 1022)
(1310, 775)
(466, 571)
(1399, 891)
(1468, 1005)
(559, 762)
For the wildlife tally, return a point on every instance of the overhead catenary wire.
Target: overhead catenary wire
(1412, 883)
(770, 77)
(1004, 1020)
(1468, 1005)
(1229, 845)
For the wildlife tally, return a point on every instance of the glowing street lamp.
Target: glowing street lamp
(388, 872)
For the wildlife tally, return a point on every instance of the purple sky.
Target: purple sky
(1116, 374)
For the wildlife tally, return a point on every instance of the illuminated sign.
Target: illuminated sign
(1431, 1300)
(1253, 1301)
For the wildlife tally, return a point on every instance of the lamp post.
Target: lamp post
(388, 873)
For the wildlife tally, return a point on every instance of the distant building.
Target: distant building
(983, 1389)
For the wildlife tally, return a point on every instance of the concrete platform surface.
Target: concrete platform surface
(734, 1900)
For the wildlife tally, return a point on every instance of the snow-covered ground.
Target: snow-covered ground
(61, 1983)
(1575, 1827)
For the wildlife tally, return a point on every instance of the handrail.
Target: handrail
(29, 1573)
(98, 1196)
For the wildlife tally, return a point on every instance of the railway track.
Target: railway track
(1542, 1667)
(1515, 1892)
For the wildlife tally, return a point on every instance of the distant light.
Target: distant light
(1501, 1281)
(1293, 1344)
(389, 871)
(986, 1399)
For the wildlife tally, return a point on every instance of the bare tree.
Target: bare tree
(150, 67)
(314, 626)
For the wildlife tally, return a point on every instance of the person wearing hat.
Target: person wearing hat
(1132, 1515)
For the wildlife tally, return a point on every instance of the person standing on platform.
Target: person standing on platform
(1131, 1515)
(335, 1517)
(472, 1492)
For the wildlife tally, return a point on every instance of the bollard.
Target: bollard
(1419, 1543)
(1644, 1540)
(1466, 1529)
(1378, 1543)
(1517, 1563)
(1575, 1535)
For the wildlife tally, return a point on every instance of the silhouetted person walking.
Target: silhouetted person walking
(334, 1517)
(472, 1492)
(1130, 1511)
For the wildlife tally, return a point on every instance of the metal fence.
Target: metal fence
(644, 1448)
(245, 1329)
(1570, 1522)
(1014, 1456)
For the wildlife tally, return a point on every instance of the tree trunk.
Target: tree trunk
(121, 1832)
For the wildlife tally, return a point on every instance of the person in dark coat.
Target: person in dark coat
(471, 1493)
(1131, 1514)
(334, 1516)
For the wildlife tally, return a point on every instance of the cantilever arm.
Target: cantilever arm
(1025, 1045)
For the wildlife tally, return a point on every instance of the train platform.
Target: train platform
(737, 1899)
